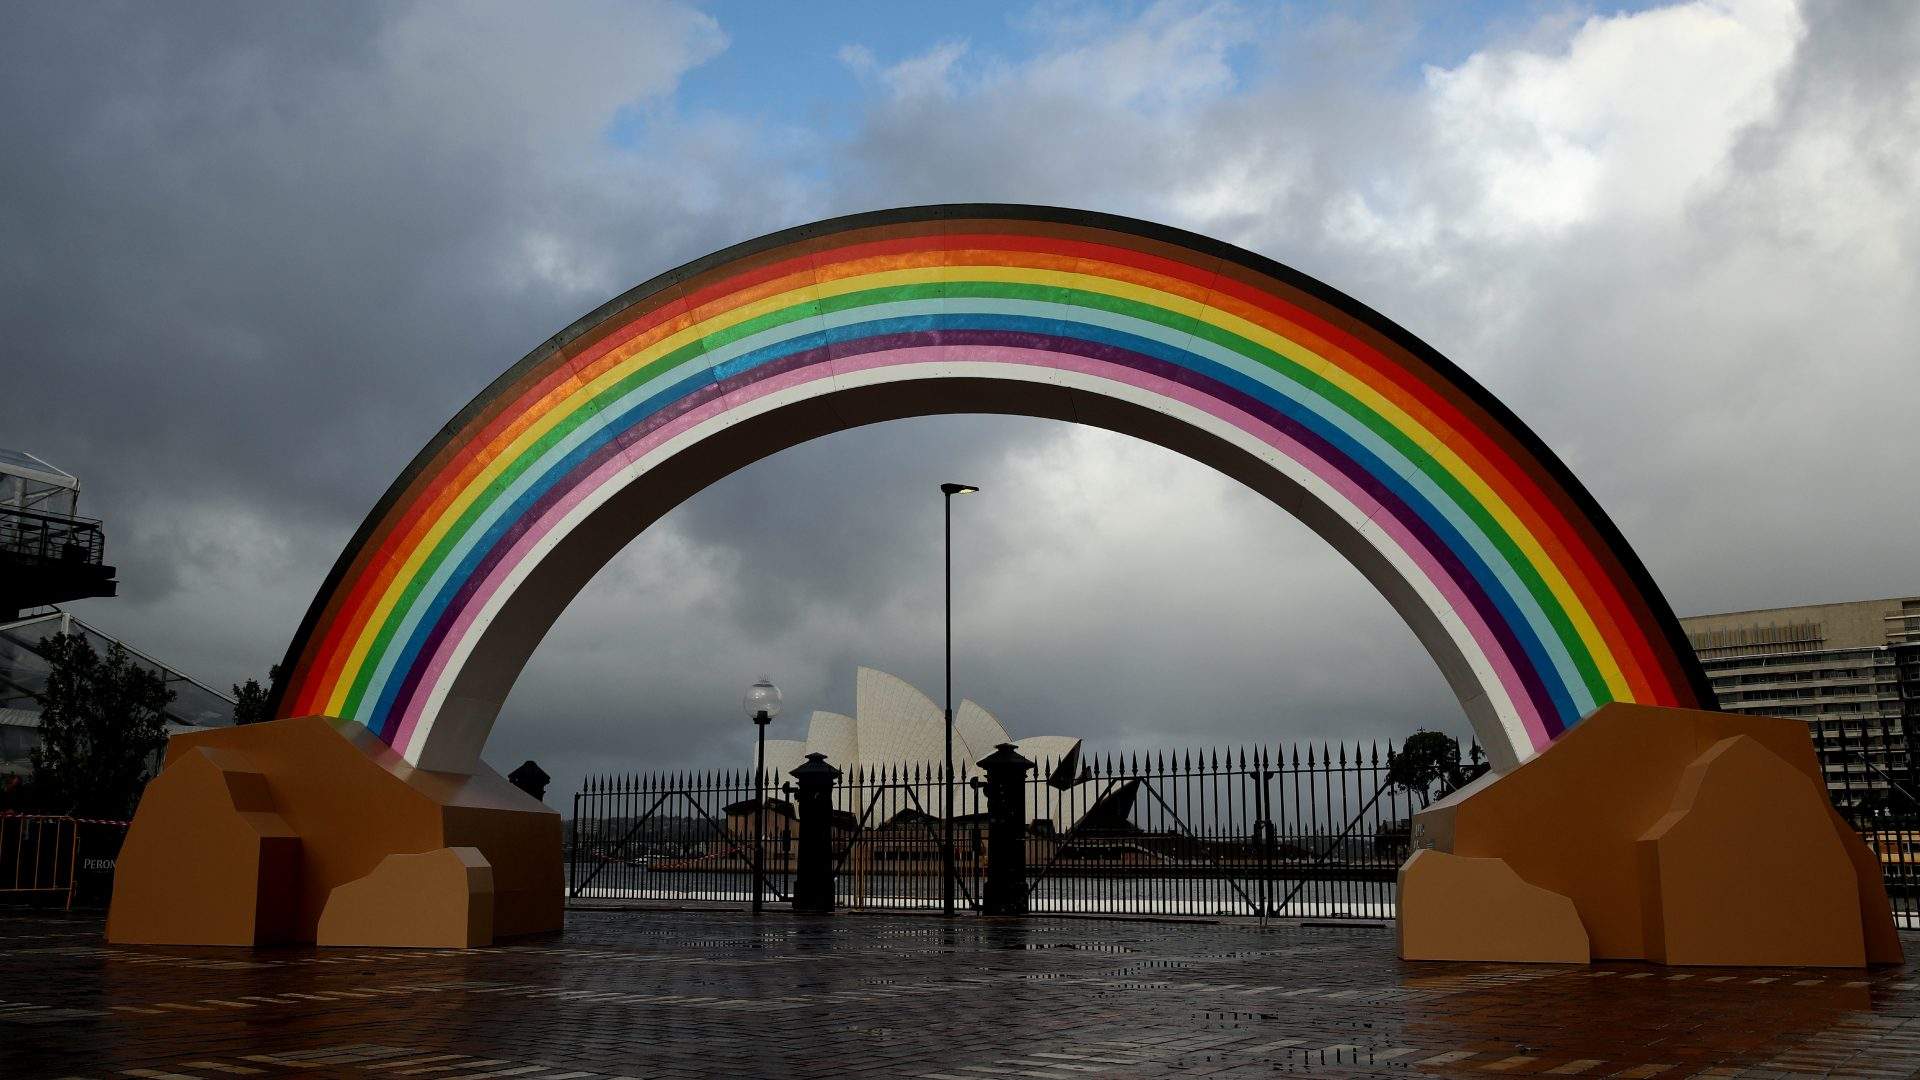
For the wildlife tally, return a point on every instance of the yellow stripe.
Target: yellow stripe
(634, 356)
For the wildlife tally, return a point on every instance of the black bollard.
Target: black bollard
(1006, 891)
(813, 878)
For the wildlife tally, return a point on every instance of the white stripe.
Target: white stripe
(457, 750)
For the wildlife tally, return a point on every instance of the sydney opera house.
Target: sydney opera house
(895, 729)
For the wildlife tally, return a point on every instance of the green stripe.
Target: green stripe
(1284, 366)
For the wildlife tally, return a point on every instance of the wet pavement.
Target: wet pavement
(698, 994)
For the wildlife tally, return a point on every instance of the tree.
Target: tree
(251, 700)
(101, 725)
(1429, 759)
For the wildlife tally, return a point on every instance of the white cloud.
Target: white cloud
(1633, 118)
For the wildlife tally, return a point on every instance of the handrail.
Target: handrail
(51, 537)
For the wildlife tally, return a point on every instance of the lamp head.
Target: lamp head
(957, 489)
(762, 701)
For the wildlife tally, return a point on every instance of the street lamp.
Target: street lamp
(762, 704)
(948, 491)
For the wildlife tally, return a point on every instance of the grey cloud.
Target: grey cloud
(252, 258)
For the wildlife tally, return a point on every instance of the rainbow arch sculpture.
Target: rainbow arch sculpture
(1626, 820)
(1527, 596)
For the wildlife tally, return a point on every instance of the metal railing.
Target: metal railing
(1262, 832)
(1873, 781)
(47, 856)
(1316, 831)
(680, 837)
(49, 538)
(887, 835)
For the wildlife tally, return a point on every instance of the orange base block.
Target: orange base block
(438, 898)
(233, 885)
(248, 833)
(1679, 836)
(1479, 909)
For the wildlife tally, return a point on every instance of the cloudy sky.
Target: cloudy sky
(253, 256)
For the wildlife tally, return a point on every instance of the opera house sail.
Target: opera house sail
(896, 730)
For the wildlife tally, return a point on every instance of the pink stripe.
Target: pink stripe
(1476, 625)
(529, 539)
(936, 354)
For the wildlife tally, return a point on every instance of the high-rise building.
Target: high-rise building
(1850, 670)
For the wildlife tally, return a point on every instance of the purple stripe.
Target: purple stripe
(1469, 585)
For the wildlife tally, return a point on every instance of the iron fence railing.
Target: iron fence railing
(48, 537)
(888, 828)
(1318, 832)
(1314, 831)
(680, 837)
(1873, 778)
(1299, 831)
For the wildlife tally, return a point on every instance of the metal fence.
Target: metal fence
(688, 838)
(1315, 831)
(1870, 771)
(679, 837)
(1896, 843)
(889, 828)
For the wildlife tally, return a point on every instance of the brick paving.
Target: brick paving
(686, 994)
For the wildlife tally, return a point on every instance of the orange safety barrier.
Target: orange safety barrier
(40, 853)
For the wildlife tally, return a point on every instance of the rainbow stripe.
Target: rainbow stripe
(1393, 452)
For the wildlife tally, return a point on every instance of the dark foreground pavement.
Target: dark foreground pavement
(663, 994)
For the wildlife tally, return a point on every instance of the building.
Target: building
(1850, 670)
(898, 732)
(49, 555)
(23, 676)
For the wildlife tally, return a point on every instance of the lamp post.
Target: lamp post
(948, 491)
(762, 704)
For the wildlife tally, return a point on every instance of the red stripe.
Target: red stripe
(1608, 592)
